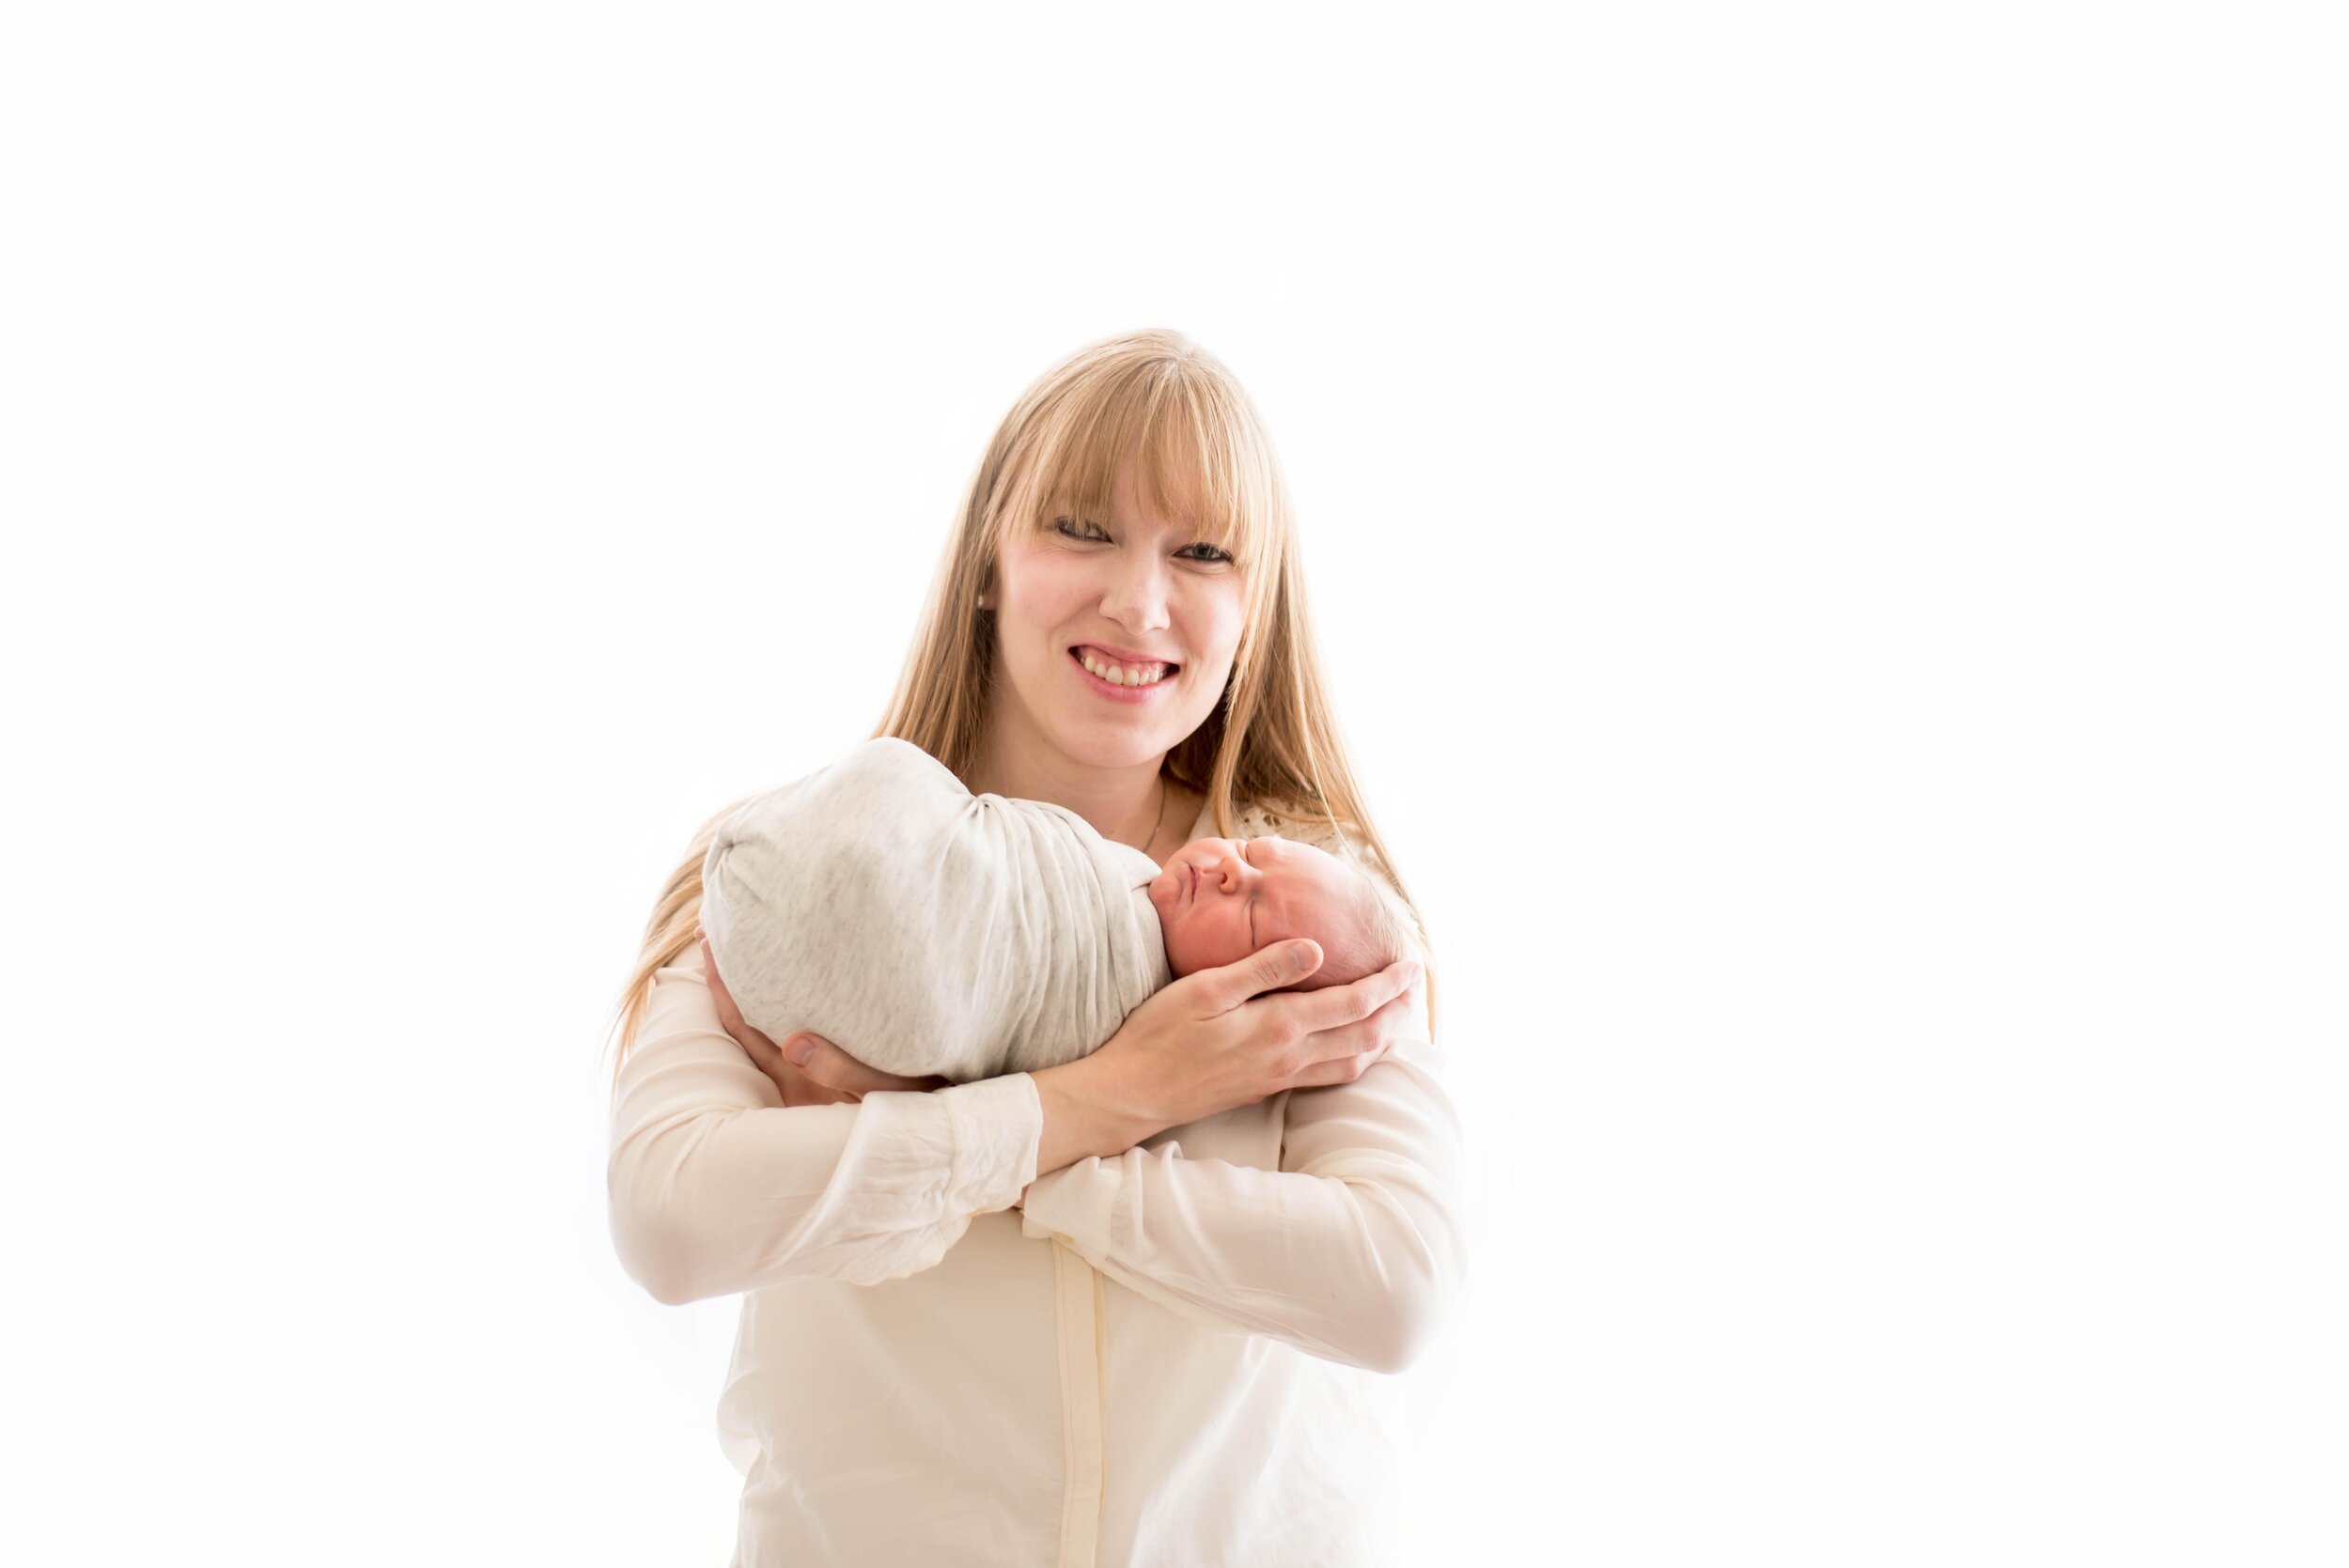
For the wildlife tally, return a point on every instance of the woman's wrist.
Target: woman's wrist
(1090, 1108)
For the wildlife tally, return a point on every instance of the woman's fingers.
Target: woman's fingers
(1343, 1054)
(795, 1086)
(1340, 1006)
(1350, 1020)
(827, 1076)
(835, 1069)
(1266, 969)
(1338, 1069)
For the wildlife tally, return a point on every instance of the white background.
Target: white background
(1823, 522)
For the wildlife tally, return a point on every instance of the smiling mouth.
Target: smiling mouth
(1171, 669)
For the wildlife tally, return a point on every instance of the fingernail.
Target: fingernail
(797, 1049)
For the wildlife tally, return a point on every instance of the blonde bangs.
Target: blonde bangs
(1199, 460)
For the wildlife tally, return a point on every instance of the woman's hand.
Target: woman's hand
(1208, 1042)
(826, 1076)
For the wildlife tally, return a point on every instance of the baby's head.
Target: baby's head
(1220, 899)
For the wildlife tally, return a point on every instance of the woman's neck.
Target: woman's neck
(1127, 805)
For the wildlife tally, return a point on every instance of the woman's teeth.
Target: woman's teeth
(1123, 675)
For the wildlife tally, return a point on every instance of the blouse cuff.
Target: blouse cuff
(1076, 1204)
(998, 1124)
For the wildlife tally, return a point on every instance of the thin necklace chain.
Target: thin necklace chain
(1145, 844)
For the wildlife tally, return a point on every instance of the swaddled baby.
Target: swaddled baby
(926, 931)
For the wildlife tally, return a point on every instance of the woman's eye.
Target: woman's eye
(1067, 529)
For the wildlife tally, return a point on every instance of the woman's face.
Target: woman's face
(1136, 593)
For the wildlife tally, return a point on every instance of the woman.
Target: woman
(1117, 1311)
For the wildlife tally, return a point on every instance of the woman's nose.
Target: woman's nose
(1136, 597)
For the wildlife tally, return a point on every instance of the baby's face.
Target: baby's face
(1220, 899)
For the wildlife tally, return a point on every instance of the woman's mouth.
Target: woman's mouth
(1124, 683)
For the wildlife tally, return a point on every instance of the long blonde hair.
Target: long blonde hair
(1159, 399)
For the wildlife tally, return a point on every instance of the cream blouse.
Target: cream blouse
(1159, 1361)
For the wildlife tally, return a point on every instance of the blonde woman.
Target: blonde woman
(1119, 1312)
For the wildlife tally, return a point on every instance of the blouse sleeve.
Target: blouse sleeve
(1351, 1251)
(716, 1187)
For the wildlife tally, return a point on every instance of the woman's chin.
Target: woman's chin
(1112, 747)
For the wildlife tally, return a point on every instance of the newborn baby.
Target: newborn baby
(926, 931)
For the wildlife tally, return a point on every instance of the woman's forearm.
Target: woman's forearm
(1089, 1109)
(1353, 1251)
(716, 1188)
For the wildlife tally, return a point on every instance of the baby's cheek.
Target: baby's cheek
(1178, 941)
(1191, 947)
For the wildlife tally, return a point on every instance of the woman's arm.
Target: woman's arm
(716, 1188)
(1350, 1251)
(1088, 1110)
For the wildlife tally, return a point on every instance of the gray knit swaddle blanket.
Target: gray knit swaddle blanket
(923, 929)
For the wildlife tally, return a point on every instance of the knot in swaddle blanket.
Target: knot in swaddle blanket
(923, 929)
